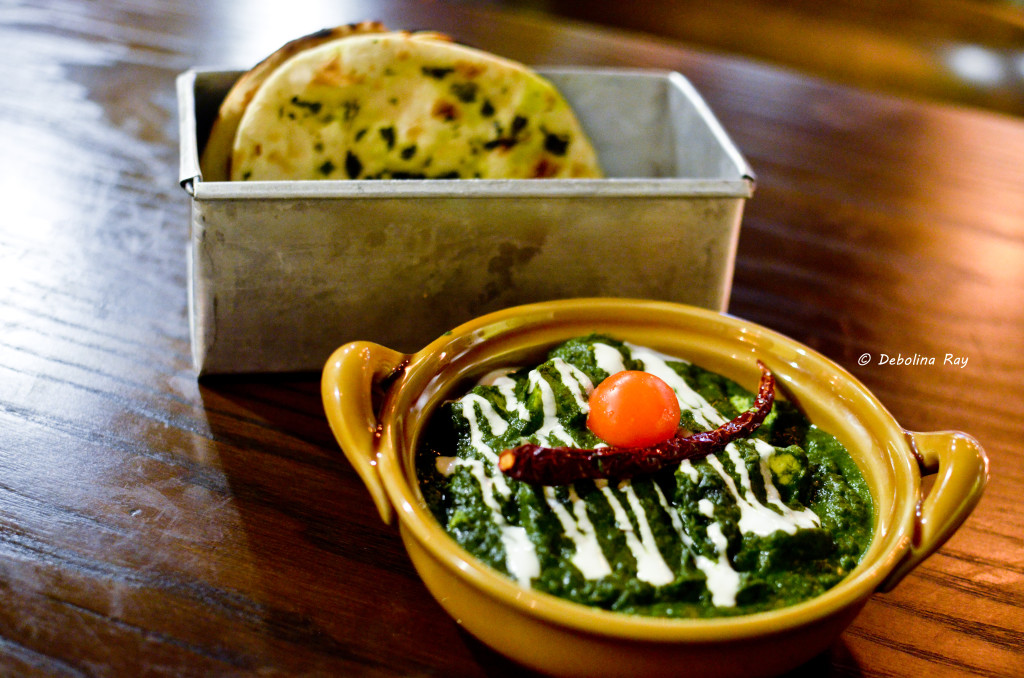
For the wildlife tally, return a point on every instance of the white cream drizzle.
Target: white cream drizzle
(496, 375)
(803, 517)
(589, 559)
(609, 359)
(722, 580)
(755, 517)
(507, 388)
(551, 432)
(520, 555)
(497, 425)
(657, 571)
(686, 466)
(672, 516)
(577, 382)
(650, 565)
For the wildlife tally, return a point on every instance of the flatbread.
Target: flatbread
(407, 105)
(215, 162)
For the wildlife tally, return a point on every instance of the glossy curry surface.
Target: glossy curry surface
(775, 517)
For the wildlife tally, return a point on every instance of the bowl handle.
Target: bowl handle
(963, 472)
(350, 378)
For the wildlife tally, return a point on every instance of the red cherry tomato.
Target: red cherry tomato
(633, 409)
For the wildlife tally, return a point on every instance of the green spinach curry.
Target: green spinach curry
(768, 521)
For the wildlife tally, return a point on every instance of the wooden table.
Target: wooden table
(152, 524)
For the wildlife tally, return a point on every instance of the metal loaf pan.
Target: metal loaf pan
(281, 273)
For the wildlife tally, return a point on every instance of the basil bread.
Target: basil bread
(400, 105)
(215, 162)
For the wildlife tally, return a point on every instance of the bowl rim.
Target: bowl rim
(417, 521)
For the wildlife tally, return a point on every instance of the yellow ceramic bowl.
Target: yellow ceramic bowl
(378, 401)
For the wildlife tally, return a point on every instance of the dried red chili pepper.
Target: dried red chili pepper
(563, 465)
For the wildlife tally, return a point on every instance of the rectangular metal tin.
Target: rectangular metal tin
(282, 273)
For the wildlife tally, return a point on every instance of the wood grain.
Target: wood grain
(154, 525)
(956, 51)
